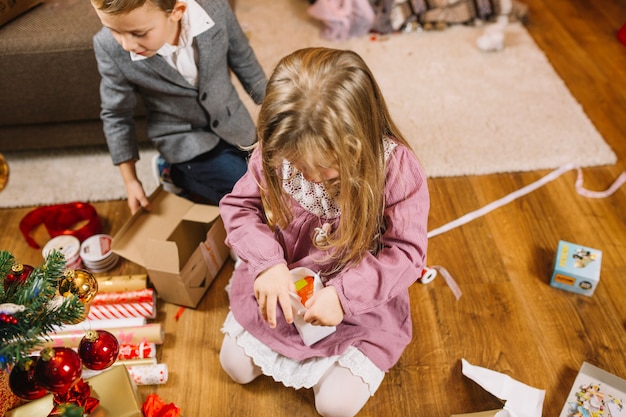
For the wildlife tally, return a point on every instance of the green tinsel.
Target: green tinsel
(44, 308)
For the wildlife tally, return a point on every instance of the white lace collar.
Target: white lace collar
(312, 196)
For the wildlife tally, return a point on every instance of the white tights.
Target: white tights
(339, 393)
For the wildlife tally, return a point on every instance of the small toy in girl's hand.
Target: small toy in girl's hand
(305, 288)
(307, 282)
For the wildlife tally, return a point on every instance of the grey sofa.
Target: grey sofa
(49, 81)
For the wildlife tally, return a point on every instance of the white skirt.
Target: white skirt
(301, 374)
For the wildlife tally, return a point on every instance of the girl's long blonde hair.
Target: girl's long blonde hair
(323, 108)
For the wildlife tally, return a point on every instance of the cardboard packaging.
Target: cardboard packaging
(10, 9)
(576, 268)
(114, 388)
(180, 243)
(596, 392)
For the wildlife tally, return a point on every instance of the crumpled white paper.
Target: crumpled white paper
(521, 400)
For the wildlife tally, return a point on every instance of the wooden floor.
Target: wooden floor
(509, 319)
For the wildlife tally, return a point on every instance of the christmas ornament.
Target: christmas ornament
(4, 172)
(58, 369)
(98, 349)
(8, 319)
(19, 274)
(23, 383)
(80, 283)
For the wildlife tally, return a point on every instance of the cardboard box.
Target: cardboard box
(593, 390)
(10, 9)
(114, 388)
(180, 243)
(576, 268)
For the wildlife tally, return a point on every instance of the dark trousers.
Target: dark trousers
(209, 177)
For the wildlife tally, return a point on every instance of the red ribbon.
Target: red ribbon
(60, 219)
(155, 407)
(79, 395)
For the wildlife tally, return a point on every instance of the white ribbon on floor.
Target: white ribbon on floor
(580, 189)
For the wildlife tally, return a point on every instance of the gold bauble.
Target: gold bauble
(80, 283)
(4, 172)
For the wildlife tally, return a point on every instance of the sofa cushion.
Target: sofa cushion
(47, 65)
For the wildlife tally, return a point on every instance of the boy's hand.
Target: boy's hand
(272, 287)
(136, 197)
(324, 308)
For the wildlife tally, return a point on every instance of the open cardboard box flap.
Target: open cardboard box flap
(167, 212)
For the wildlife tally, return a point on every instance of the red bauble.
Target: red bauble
(58, 369)
(23, 383)
(19, 274)
(98, 349)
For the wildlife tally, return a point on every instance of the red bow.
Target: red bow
(60, 219)
(79, 395)
(155, 407)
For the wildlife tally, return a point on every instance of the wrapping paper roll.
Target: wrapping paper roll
(149, 374)
(119, 283)
(88, 373)
(102, 324)
(150, 333)
(122, 311)
(123, 297)
(137, 351)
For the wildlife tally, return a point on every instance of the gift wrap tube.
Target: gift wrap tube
(123, 297)
(150, 333)
(122, 311)
(137, 351)
(90, 373)
(102, 324)
(149, 374)
(119, 283)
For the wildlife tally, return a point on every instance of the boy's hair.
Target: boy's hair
(120, 7)
(324, 109)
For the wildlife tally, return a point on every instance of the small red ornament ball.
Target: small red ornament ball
(18, 275)
(23, 383)
(58, 369)
(98, 349)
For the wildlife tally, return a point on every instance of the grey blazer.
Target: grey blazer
(183, 121)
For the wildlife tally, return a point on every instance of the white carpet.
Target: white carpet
(465, 112)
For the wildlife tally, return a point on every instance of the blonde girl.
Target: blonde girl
(332, 186)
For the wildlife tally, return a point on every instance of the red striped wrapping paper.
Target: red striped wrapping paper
(120, 311)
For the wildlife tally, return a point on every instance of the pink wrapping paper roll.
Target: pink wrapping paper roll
(122, 311)
(124, 297)
(150, 333)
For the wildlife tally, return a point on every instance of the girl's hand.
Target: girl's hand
(271, 287)
(324, 308)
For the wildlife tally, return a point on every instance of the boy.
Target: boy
(176, 56)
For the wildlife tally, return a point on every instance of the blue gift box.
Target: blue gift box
(576, 268)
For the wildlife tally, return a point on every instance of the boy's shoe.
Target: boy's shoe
(161, 172)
